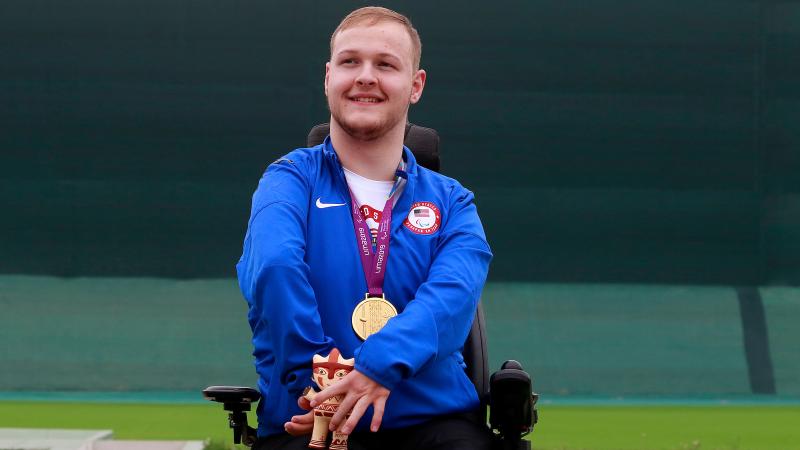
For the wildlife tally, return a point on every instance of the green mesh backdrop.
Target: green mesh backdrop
(117, 334)
(635, 165)
(633, 141)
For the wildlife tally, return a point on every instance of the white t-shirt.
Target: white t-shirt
(371, 197)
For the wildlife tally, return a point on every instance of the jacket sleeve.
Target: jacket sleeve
(273, 278)
(435, 324)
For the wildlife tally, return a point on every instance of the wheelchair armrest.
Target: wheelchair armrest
(237, 400)
(512, 403)
(232, 394)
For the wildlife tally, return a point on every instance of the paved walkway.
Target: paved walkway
(146, 445)
(43, 439)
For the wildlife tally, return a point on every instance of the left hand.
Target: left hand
(358, 393)
(301, 424)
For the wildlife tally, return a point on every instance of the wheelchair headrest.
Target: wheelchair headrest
(423, 143)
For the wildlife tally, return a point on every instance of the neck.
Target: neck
(375, 159)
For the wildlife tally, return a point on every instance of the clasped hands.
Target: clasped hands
(358, 392)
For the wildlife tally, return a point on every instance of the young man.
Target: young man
(400, 303)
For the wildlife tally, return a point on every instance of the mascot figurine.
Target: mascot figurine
(327, 370)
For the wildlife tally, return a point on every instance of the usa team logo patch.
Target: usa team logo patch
(423, 218)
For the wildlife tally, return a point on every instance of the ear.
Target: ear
(327, 76)
(417, 85)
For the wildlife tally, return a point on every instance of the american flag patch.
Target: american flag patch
(423, 218)
(422, 212)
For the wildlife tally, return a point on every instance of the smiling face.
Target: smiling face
(370, 80)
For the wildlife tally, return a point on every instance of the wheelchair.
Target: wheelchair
(507, 394)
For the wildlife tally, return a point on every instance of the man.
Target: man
(400, 303)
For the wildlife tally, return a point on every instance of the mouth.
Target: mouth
(365, 100)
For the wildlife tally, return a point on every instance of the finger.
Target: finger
(358, 410)
(328, 392)
(298, 429)
(304, 403)
(304, 418)
(377, 413)
(300, 425)
(342, 411)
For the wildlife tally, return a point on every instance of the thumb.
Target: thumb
(303, 403)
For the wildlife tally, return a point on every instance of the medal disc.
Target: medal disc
(371, 315)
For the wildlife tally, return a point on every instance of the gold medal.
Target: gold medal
(371, 315)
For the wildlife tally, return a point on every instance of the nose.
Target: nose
(366, 76)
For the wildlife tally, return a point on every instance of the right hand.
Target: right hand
(302, 424)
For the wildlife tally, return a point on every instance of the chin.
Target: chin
(367, 129)
(364, 130)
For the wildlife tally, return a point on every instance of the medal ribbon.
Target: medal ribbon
(374, 259)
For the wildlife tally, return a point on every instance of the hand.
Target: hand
(302, 424)
(358, 392)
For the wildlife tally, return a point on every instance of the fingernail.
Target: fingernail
(374, 428)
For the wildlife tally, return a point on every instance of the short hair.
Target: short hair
(371, 15)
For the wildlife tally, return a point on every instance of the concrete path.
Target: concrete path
(41, 439)
(146, 445)
(44, 439)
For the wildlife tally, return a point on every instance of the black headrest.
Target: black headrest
(423, 143)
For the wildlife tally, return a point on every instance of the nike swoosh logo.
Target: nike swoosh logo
(321, 205)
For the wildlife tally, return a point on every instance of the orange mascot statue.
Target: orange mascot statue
(327, 371)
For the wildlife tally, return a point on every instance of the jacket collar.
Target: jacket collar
(403, 203)
(408, 156)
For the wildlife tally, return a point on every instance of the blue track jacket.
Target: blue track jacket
(301, 275)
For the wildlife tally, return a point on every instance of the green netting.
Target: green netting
(100, 334)
(621, 339)
(145, 334)
(782, 306)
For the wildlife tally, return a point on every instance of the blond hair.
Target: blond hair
(371, 15)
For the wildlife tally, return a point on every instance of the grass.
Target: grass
(127, 420)
(668, 428)
(561, 427)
